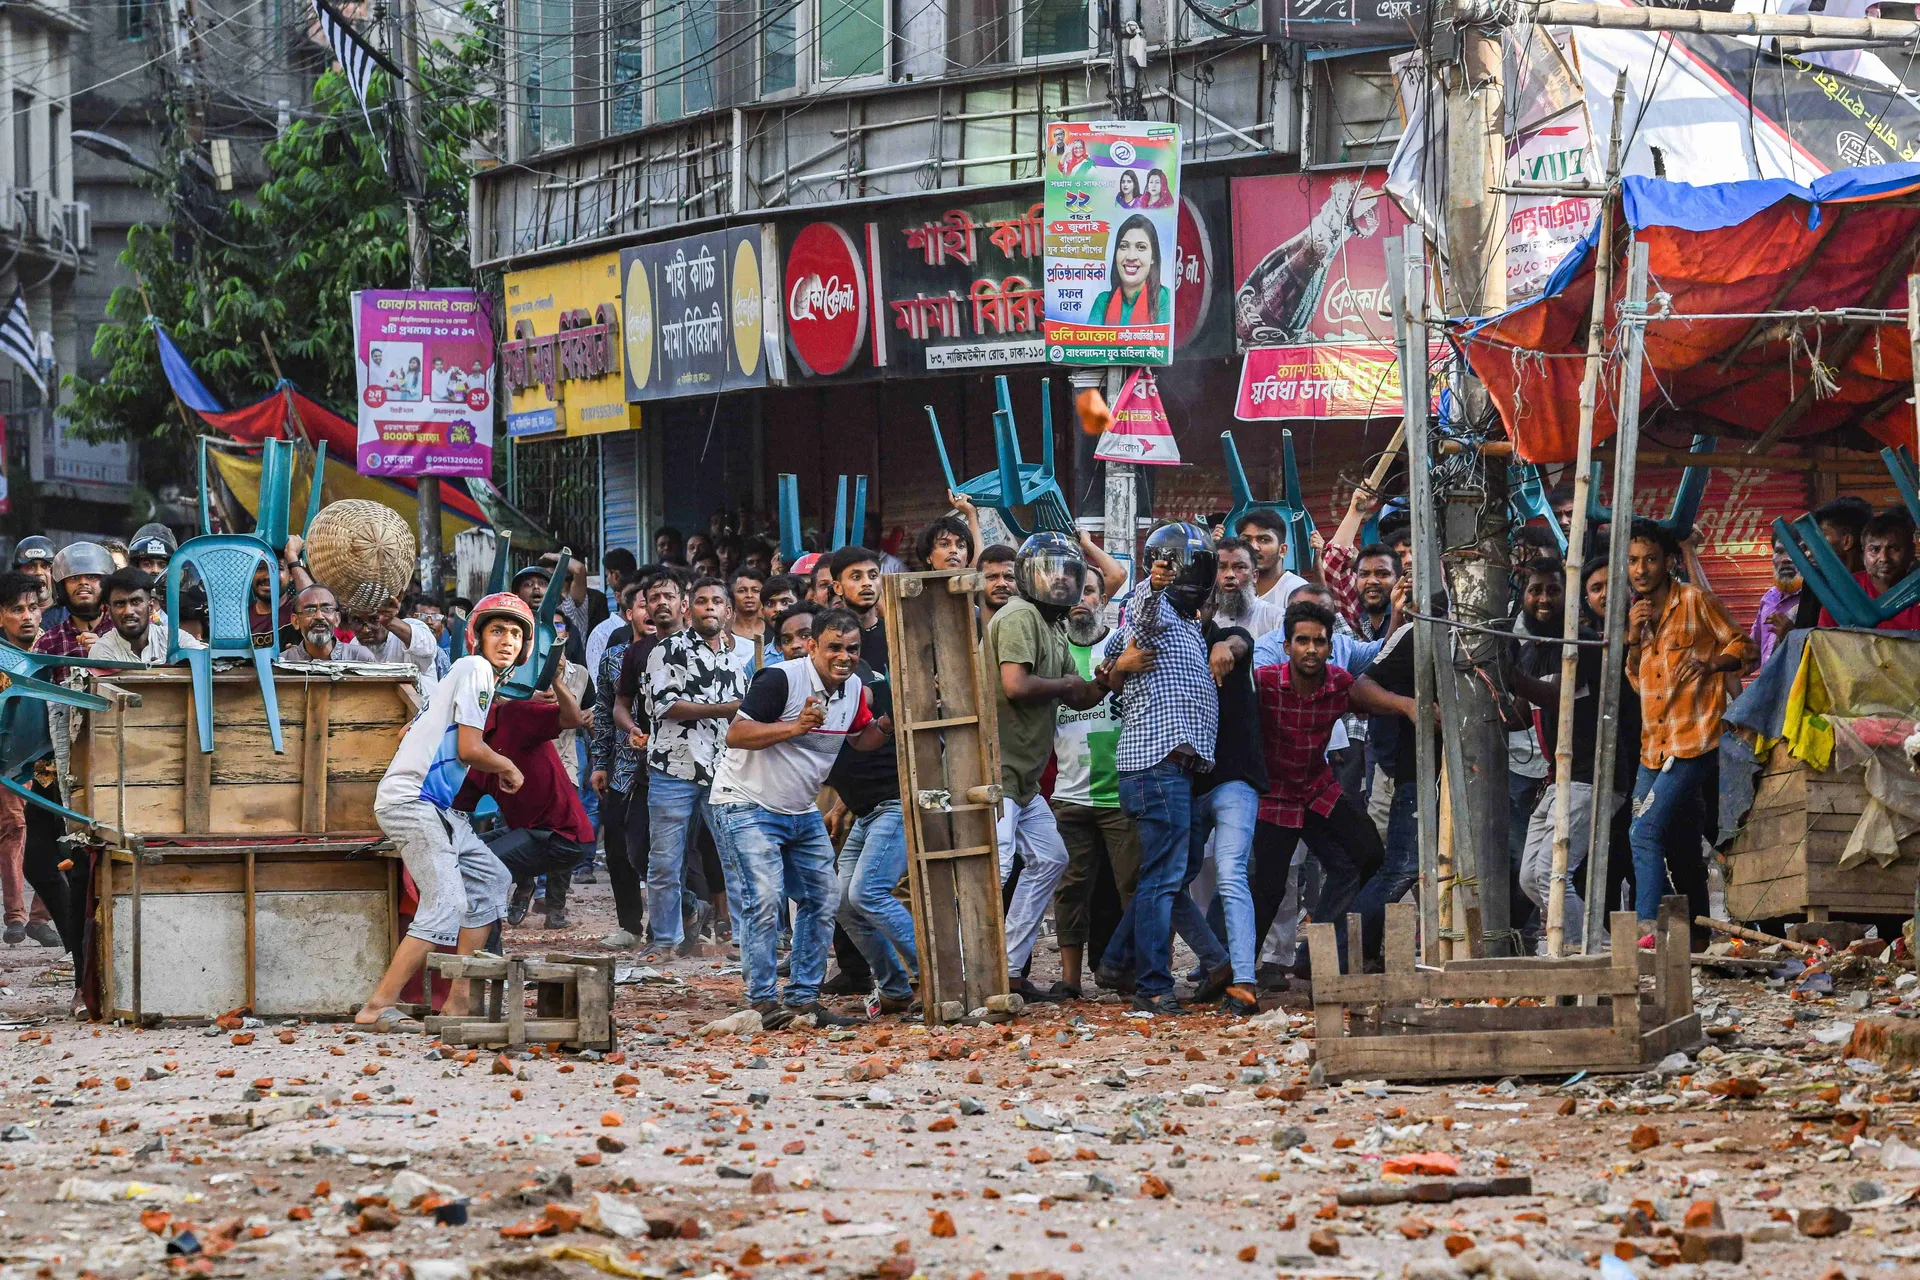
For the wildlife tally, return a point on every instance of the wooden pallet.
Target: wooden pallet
(1785, 861)
(573, 1000)
(945, 733)
(1413, 1023)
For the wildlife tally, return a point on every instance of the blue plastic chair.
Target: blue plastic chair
(272, 517)
(791, 547)
(525, 678)
(1527, 496)
(1906, 478)
(845, 535)
(1289, 506)
(24, 736)
(226, 563)
(1686, 499)
(1014, 482)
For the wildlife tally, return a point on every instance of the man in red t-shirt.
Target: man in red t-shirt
(547, 831)
(1886, 546)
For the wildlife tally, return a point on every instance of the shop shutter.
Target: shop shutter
(620, 491)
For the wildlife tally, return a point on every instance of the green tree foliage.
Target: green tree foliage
(281, 263)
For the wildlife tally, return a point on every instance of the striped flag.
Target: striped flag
(357, 57)
(18, 343)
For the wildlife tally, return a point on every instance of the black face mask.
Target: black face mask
(1187, 597)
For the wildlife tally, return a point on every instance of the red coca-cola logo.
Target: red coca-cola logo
(1193, 278)
(826, 294)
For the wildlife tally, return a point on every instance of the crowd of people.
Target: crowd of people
(1213, 752)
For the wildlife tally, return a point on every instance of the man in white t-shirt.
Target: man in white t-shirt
(462, 887)
(780, 748)
(139, 631)
(1266, 533)
(392, 638)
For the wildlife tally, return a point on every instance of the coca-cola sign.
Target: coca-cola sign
(826, 298)
(1193, 274)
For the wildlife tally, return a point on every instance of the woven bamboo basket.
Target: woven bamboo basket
(363, 551)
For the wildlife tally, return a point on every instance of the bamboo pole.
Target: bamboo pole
(1576, 544)
(1613, 674)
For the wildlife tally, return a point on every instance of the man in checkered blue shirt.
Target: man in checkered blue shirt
(1170, 716)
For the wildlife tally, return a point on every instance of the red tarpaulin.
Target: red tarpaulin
(1739, 247)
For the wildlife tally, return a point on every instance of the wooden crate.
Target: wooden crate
(1405, 1024)
(573, 1001)
(1785, 861)
(240, 876)
(945, 734)
(339, 735)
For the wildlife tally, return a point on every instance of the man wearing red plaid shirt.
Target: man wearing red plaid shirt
(1301, 700)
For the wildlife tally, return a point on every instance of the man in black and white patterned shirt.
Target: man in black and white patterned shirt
(695, 680)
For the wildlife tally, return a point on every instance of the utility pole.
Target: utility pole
(405, 42)
(1472, 519)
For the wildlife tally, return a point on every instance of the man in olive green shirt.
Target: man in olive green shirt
(1027, 645)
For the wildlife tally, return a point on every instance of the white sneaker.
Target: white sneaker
(618, 940)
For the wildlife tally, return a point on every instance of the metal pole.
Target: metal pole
(1913, 351)
(1407, 280)
(1576, 545)
(406, 44)
(1626, 460)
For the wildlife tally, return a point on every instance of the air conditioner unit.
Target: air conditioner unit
(44, 215)
(9, 209)
(78, 217)
(33, 219)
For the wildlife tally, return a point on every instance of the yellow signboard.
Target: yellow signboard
(561, 361)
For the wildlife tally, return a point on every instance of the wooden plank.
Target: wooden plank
(531, 1030)
(516, 998)
(250, 940)
(1485, 1018)
(196, 791)
(1329, 1015)
(1678, 1036)
(1624, 940)
(1760, 864)
(977, 851)
(593, 1006)
(1783, 897)
(103, 929)
(271, 875)
(1452, 1056)
(313, 760)
(1542, 979)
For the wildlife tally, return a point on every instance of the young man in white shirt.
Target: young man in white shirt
(139, 631)
(463, 888)
(1266, 533)
(780, 748)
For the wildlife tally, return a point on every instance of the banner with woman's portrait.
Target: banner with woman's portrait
(1112, 234)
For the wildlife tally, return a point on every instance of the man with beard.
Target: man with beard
(138, 634)
(996, 567)
(1779, 605)
(392, 638)
(1535, 675)
(694, 682)
(80, 573)
(1026, 645)
(1234, 603)
(316, 613)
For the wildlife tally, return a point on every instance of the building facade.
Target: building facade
(886, 155)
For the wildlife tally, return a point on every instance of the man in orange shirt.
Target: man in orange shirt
(1886, 547)
(1681, 643)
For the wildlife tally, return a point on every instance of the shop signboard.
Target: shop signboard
(1309, 252)
(694, 315)
(1112, 231)
(1202, 314)
(562, 363)
(961, 287)
(424, 365)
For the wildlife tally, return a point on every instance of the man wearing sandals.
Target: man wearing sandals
(462, 886)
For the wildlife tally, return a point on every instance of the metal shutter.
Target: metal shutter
(620, 491)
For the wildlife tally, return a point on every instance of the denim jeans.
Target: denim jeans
(1028, 829)
(1669, 816)
(673, 806)
(1227, 813)
(1400, 869)
(776, 854)
(872, 861)
(1160, 801)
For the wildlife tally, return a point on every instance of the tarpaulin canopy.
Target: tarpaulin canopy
(270, 417)
(1846, 240)
(242, 476)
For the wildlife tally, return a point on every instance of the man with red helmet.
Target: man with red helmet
(462, 886)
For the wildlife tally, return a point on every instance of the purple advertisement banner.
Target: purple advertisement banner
(425, 365)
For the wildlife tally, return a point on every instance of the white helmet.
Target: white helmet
(82, 558)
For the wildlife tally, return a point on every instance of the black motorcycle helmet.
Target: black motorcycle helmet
(1189, 552)
(1050, 572)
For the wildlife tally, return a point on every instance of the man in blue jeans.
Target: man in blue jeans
(1170, 718)
(694, 682)
(780, 748)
